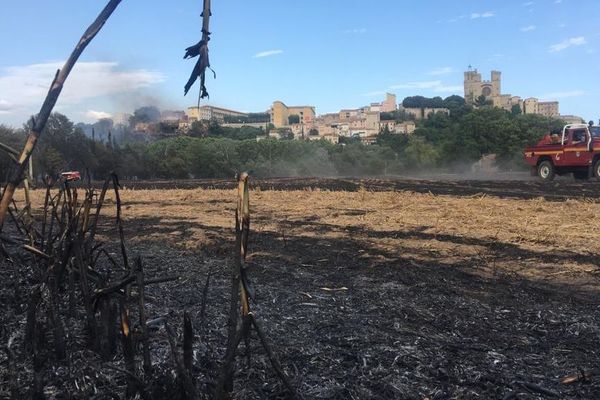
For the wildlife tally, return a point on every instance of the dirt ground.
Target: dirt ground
(369, 289)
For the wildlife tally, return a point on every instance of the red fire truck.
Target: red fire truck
(576, 151)
(71, 176)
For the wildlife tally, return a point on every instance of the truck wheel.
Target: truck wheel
(546, 171)
(596, 171)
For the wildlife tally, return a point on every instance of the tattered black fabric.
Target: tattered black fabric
(200, 50)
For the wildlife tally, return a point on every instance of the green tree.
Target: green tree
(395, 142)
(397, 115)
(420, 154)
(482, 101)
(199, 129)
(15, 140)
(62, 146)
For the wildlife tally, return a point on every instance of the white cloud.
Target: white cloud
(528, 4)
(28, 85)
(5, 106)
(565, 44)
(528, 28)
(96, 115)
(557, 1)
(356, 30)
(486, 14)
(267, 53)
(562, 95)
(441, 71)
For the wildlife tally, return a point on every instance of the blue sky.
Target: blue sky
(331, 54)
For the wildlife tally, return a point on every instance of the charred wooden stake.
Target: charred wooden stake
(581, 376)
(31, 325)
(248, 321)
(71, 277)
(45, 216)
(57, 323)
(104, 305)
(87, 298)
(238, 294)
(119, 221)
(188, 388)
(204, 297)
(109, 315)
(128, 352)
(273, 359)
(69, 202)
(111, 326)
(37, 387)
(94, 226)
(53, 217)
(226, 377)
(142, 311)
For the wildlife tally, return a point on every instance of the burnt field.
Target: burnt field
(366, 289)
(521, 185)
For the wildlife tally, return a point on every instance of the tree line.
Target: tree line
(441, 142)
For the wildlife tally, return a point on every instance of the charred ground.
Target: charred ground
(366, 288)
(524, 187)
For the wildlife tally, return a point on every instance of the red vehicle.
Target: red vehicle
(575, 151)
(70, 176)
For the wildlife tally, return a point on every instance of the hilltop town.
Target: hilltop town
(456, 133)
(302, 122)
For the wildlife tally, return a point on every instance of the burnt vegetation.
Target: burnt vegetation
(84, 305)
(341, 289)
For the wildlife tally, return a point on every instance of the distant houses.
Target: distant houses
(362, 123)
(301, 122)
(478, 90)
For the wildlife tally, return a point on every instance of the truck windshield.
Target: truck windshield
(595, 130)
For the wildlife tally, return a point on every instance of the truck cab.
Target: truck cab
(575, 151)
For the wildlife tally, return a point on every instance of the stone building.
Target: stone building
(492, 91)
(475, 86)
(422, 113)
(208, 113)
(280, 114)
(532, 105)
(349, 114)
(548, 108)
(390, 103)
(406, 127)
